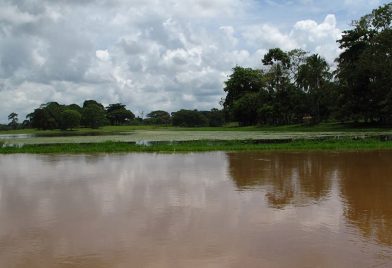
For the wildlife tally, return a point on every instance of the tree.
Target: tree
(313, 77)
(278, 63)
(13, 118)
(93, 116)
(265, 114)
(89, 102)
(48, 116)
(241, 82)
(189, 118)
(288, 105)
(54, 111)
(245, 109)
(118, 114)
(158, 117)
(287, 100)
(74, 107)
(216, 118)
(70, 119)
(364, 67)
(41, 119)
(297, 58)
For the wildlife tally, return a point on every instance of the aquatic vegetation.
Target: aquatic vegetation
(204, 145)
(168, 135)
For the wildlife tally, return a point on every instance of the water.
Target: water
(196, 210)
(15, 136)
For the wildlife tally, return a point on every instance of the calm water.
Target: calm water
(197, 210)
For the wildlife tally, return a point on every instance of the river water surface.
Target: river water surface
(196, 210)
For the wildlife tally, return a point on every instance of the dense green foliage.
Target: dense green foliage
(118, 114)
(241, 82)
(365, 68)
(295, 87)
(215, 117)
(194, 118)
(189, 118)
(53, 115)
(158, 118)
(70, 119)
(93, 116)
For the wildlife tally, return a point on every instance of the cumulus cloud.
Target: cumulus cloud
(318, 38)
(308, 35)
(146, 54)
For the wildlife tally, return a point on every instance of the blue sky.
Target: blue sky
(151, 54)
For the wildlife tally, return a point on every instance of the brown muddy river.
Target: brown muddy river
(196, 210)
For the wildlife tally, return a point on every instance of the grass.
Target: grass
(324, 127)
(202, 146)
(326, 136)
(168, 136)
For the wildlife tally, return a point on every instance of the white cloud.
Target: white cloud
(229, 32)
(318, 38)
(306, 34)
(147, 54)
(102, 55)
(268, 36)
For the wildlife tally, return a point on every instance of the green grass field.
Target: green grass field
(324, 127)
(203, 145)
(132, 138)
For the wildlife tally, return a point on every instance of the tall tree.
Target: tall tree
(70, 119)
(245, 108)
(41, 119)
(278, 63)
(13, 118)
(313, 77)
(118, 114)
(54, 110)
(364, 67)
(287, 102)
(93, 116)
(241, 82)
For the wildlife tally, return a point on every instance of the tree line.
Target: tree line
(297, 87)
(292, 87)
(93, 114)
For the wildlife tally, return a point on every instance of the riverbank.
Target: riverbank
(202, 146)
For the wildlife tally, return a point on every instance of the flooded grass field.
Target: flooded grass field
(169, 135)
(217, 209)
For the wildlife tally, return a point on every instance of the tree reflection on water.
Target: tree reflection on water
(364, 181)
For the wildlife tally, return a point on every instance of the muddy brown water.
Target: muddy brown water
(197, 210)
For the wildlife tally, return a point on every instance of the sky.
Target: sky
(150, 54)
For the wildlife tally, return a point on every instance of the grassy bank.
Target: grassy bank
(203, 145)
(111, 130)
